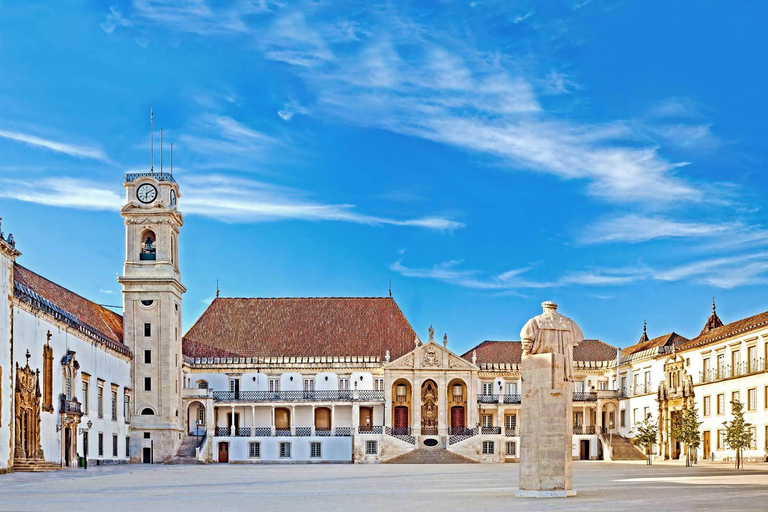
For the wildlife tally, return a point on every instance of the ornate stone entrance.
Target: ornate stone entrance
(27, 408)
(429, 408)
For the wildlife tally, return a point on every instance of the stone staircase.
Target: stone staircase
(187, 452)
(34, 466)
(422, 456)
(623, 449)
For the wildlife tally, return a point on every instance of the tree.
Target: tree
(737, 432)
(645, 434)
(685, 428)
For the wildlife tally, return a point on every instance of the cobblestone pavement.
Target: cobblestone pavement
(314, 488)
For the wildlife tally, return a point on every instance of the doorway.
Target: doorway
(236, 423)
(85, 445)
(224, 453)
(67, 447)
(401, 418)
(282, 419)
(322, 418)
(146, 455)
(706, 444)
(457, 418)
(584, 449)
(366, 418)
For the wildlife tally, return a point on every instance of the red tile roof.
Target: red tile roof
(292, 327)
(731, 329)
(510, 352)
(666, 340)
(107, 324)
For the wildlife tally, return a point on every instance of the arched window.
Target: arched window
(148, 245)
(68, 383)
(147, 412)
(202, 384)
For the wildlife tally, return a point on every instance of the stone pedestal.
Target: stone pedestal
(546, 429)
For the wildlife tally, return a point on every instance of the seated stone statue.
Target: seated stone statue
(149, 246)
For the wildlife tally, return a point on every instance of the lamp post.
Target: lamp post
(198, 424)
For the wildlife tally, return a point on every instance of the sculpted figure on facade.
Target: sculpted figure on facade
(552, 333)
(431, 358)
(429, 406)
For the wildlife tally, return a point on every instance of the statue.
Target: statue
(552, 333)
(546, 432)
(387, 356)
(431, 334)
(445, 340)
(149, 246)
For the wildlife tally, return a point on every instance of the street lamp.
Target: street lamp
(88, 427)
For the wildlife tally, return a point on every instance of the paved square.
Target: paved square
(601, 486)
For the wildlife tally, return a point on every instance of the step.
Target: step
(436, 456)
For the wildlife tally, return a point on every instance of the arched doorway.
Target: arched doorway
(196, 418)
(283, 418)
(429, 418)
(366, 419)
(457, 404)
(27, 412)
(401, 411)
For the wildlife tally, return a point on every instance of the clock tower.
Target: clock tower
(152, 293)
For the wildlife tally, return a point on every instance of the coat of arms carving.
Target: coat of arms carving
(430, 357)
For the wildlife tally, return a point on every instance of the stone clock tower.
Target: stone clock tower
(152, 293)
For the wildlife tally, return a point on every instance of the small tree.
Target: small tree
(645, 434)
(737, 433)
(685, 429)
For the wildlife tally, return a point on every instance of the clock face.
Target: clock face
(146, 193)
(173, 198)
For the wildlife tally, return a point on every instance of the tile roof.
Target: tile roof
(667, 340)
(69, 306)
(724, 331)
(510, 352)
(292, 327)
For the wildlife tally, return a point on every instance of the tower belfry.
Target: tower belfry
(152, 294)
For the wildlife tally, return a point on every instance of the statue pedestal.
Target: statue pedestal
(546, 436)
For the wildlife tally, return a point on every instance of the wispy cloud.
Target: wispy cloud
(224, 198)
(633, 228)
(90, 152)
(520, 19)
(198, 17)
(113, 20)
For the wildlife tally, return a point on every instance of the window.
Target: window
(147, 383)
(378, 384)
(646, 412)
(127, 407)
(201, 415)
(734, 398)
(636, 383)
(315, 450)
(602, 385)
(85, 397)
(254, 450)
(147, 330)
(634, 416)
(48, 377)
(101, 444)
(706, 405)
(512, 388)
(721, 403)
(371, 447)
(147, 303)
(487, 388)
(721, 364)
(67, 383)
(488, 448)
(202, 384)
(578, 419)
(127, 447)
(735, 362)
(487, 420)
(147, 412)
(623, 417)
(624, 385)
(706, 367)
(765, 399)
(114, 445)
(285, 450)
(511, 448)
(510, 421)
(100, 404)
(146, 435)
(114, 405)
(721, 439)
(147, 356)
(647, 382)
(753, 437)
(752, 358)
(309, 384)
(752, 399)
(344, 384)
(274, 385)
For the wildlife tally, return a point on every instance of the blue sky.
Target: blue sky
(482, 155)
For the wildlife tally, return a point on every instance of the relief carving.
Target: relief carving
(431, 358)
(429, 407)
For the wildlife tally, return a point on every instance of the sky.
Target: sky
(483, 156)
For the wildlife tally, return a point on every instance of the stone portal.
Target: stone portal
(27, 405)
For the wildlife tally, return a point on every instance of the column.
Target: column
(272, 426)
(253, 420)
(232, 422)
(355, 417)
(333, 417)
(293, 420)
(416, 408)
(312, 432)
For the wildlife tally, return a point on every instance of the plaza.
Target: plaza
(382, 487)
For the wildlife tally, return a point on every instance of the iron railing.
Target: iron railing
(343, 431)
(510, 432)
(585, 397)
(323, 432)
(512, 399)
(728, 371)
(243, 432)
(429, 431)
(298, 396)
(584, 429)
(460, 431)
(490, 430)
(282, 432)
(262, 432)
(395, 431)
(486, 398)
(159, 176)
(461, 435)
(222, 431)
(71, 406)
(303, 431)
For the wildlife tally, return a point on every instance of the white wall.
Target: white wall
(6, 367)
(29, 332)
(334, 449)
